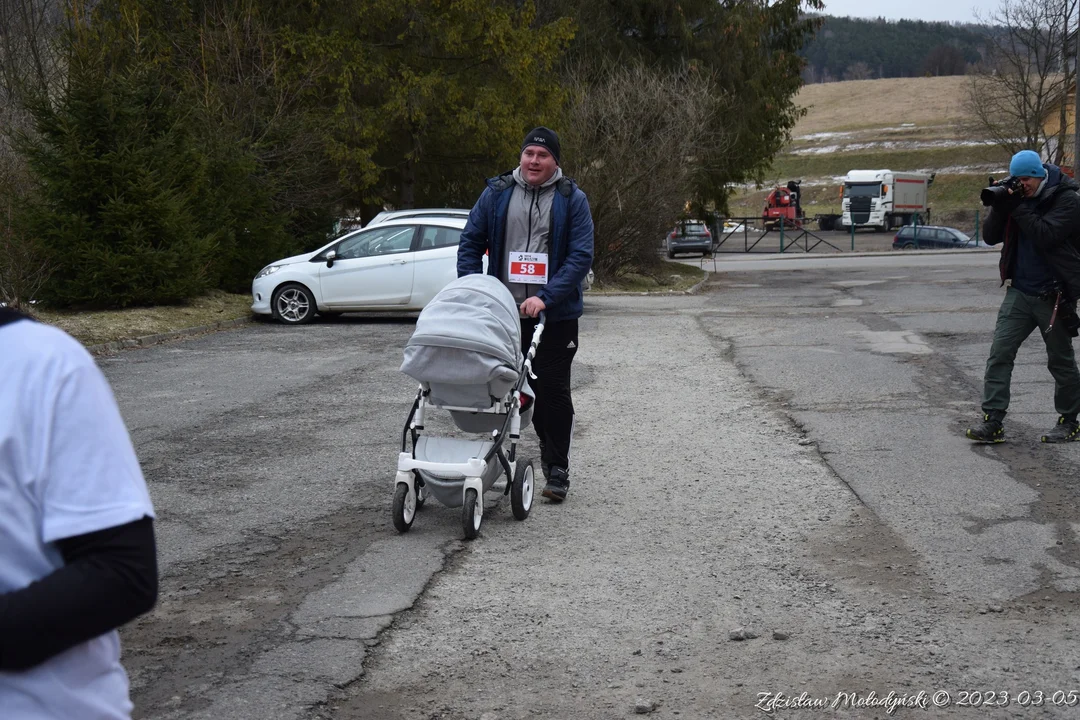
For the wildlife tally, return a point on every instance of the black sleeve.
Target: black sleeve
(993, 230)
(1055, 227)
(109, 578)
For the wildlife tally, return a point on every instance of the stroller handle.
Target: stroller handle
(538, 332)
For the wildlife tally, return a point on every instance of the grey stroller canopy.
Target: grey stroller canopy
(466, 349)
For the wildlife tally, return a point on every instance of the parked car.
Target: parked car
(933, 237)
(388, 215)
(398, 264)
(689, 236)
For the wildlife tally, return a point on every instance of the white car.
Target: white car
(397, 265)
(417, 214)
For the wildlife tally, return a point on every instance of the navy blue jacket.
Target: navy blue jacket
(571, 242)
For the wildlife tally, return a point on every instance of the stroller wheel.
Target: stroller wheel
(404, 508)
(472, 514)
(521, 491)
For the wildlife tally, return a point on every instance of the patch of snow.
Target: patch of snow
(967, 169)
(890, 145)
(824, 135)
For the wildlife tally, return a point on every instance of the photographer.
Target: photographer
(1036, 214)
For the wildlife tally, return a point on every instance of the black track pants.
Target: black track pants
(553, 416)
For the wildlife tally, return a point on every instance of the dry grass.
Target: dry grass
(92, 328)
(842, 106)
(666, 277)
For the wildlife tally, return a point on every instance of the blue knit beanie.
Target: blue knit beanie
(1027, 163)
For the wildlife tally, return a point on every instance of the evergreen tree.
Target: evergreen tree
(118, 175)
(427, 97)
(749, 49)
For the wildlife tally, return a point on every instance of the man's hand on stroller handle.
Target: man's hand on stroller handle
(532, 307)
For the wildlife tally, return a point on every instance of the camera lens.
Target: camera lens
(993, 195)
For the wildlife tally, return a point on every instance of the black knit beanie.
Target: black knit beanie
(545, 138)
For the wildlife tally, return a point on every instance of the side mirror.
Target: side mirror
(330, 257)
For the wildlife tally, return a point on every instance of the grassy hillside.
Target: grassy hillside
(910, 124)
(856, 104)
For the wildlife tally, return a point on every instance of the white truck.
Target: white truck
(883, 199)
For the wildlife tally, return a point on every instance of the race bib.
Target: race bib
(528, 268)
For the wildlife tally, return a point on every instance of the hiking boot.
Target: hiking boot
(991, 430)
(1065, 431)
(558, 484)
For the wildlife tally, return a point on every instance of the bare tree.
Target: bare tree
(633, 134)
(1026, 76)
(23, 267)
(28, 63)
(858, 71)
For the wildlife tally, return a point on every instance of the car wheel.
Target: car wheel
(293, 304)
(908, 246)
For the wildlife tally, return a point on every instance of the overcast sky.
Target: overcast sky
(960, 10)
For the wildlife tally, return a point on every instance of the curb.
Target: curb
(114, 346)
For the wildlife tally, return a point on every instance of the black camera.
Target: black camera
(998, 191)
(1068, 318)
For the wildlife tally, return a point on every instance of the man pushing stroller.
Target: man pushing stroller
(537, 229)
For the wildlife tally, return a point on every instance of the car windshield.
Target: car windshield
(858, 190)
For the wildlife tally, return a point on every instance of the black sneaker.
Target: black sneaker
(991, 430)
(558, 485)
(1064, 431)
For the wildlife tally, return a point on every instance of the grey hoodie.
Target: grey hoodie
(528, 227)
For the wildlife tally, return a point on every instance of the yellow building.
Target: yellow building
(1051, 125)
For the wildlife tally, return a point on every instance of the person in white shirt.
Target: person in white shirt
(77, 551)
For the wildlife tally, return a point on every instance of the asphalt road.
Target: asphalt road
(781, 455)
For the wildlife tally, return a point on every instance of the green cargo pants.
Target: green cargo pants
(1019, 315)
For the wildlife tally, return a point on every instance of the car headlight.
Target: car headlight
(268, 270)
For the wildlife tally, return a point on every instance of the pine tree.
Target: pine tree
(118, 175)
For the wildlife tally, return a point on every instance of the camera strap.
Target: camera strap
(1053, 315)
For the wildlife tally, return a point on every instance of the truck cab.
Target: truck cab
(884, 199)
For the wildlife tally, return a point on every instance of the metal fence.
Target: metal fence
(754, 234)
(749, 235)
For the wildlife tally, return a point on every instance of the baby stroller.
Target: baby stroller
(466, 355)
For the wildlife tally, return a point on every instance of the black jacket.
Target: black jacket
(1052, 224)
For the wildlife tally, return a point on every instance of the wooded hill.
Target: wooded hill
(847, 48)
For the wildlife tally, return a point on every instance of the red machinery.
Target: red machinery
(782, 205)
